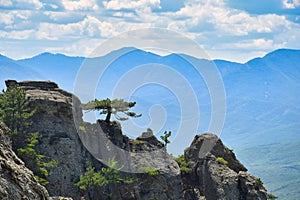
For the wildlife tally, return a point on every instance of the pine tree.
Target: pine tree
(14, 109)
(104, 177)
(165, 137)
(15, 112)
(112, 107)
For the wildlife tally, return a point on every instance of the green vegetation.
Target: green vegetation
(165, 137)
(34, 160)
(258, 183)
(222, 161)
(82, 128)
(271, 196)
(149, 170)
(183, 164)
(107, 175)
(15, 112)
(137, 142)
(108, 107)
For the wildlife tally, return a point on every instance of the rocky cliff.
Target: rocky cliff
(218, 174)
(16, 181)
(69, 140)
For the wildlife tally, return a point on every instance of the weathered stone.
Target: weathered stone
(215, 179)
(58, 138)
(65, 137)
(16, 181)
(67, 142)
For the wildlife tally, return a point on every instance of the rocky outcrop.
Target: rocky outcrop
(58, 137)
(65, 137)
(217, 174)
(16, 181)
(105, 140)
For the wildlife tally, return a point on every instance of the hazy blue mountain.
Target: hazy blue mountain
(55, 67)
(10, 69)
(262, 96)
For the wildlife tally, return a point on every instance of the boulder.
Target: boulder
(217, 174)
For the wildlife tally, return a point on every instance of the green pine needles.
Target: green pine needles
(112, 107)
(14, 109)
(107, 175)
(183, 164)
(16, 112)
(165, 137)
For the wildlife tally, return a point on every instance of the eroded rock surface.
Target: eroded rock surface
(65, 137)
(16, 181)
(212, 178)
(71, 144)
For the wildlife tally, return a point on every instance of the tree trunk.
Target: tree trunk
(108, 116)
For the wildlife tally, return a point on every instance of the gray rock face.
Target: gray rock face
(105, 140)
(65, 137)
(16, 181)
(58, 138)
(212, 178)
(68, 142)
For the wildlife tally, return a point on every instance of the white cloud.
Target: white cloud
(35, 4)
(124, 14)
(80, 4)
(209, 22)
(291, 4)
(6, 18)
(261, 43)
(214, 15)
(53, 6)
(22, 4)
(18, 35)
(130, 4)
(22, 14)
(82, 47)
(59, 16)
(89, 27)
(5, 3)
(244, 24)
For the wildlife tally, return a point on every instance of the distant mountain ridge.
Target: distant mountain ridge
(263, 104)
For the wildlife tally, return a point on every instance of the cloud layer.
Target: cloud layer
(231, 29)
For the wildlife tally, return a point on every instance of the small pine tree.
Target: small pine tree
(15, 112)
(107, 175)
(165, 137)
(183, 164)
(112, 107)
(14, 109)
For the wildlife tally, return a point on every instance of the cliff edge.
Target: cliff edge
(65, 137)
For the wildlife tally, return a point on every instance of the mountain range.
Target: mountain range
(262, 101)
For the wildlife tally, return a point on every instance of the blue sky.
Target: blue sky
(236, 30)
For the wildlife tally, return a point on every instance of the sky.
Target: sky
(235, 30)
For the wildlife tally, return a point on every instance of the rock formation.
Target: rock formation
(218, 174)
(65, 137)
(16, 181)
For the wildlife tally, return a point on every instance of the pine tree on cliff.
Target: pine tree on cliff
(14, 109)
(16, 112)
(112, 107)
(165, 137)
